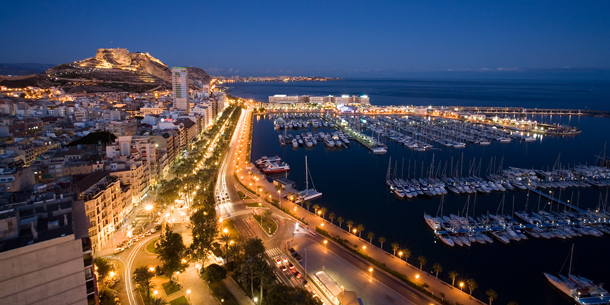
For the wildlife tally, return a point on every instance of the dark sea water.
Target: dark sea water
(352, 180)
(533, 94)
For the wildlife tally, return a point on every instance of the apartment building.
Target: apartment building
(45, 253)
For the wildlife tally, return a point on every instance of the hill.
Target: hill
(110, 70)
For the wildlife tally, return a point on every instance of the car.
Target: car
(153, 230)
(304, 282)
(285, 259)
(290, 265)
(298, 275)
(283, 268)
(278, 261)
(118, 250)
(147, 233)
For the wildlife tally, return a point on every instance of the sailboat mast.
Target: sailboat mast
(571, 256)
(306, 176)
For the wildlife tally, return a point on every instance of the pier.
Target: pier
(547, 196)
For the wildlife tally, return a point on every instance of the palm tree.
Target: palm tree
(226, 239)
(142, 276)
(323, 212)
(453, 275)
(472, 285)
(395, 247)
(349, 225)
(360, 228)
(437, 268)
(307, 203)
(381, 241)
(158, 301)
(371, 235)
(406, 253)
(315, 208)
(492, 295)
(340, 221)
(422, 262)
(264, 273)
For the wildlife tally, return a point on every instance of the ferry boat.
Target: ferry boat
(582, 290)
(274, 168)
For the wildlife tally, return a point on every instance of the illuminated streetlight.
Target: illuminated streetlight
(461, 286)
(225, 230)
(354, 230)
(148, 207)
(417, 277)
(400, 254)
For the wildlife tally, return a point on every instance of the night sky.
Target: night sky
(330, 38)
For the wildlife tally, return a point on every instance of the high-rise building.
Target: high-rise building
(45, 253)
(180, 87)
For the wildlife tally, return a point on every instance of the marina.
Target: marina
(350, 180)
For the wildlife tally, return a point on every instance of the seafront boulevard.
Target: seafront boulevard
(253, 184)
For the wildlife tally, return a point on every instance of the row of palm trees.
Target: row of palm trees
(471, 284)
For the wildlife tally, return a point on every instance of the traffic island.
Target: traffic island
(222, 294)
(170, 288)
(179, 301)
(268, 225)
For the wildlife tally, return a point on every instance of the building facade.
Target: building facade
(180, 88)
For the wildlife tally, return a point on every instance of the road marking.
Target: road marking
(273, 252)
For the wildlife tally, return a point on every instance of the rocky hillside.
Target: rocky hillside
(112, 70)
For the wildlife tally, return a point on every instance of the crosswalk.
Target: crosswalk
(273, 252)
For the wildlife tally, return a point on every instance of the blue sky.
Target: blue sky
(335, 38)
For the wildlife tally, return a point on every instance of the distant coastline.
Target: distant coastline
(238, 79)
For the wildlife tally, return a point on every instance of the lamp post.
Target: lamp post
(417, 277)
(371, 273)
(400, 254)
(461, 286)
(188, 295)
(326, 245)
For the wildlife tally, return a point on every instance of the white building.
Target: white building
(180, 87)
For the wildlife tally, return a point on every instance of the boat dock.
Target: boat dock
(547, 196)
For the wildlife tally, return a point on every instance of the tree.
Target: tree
(266, 215)
(395, 247)
(472, 285)
(340, 221)
(406, 253)
(226, 239)
(254, 247)
(171, 250)
(280, 294)
(315, 208)
(349, 225)
(360, 228)
(437, 268)
(422, 262)
(214, 273)
(453, 275)
(158, 301)
(332, 217)
(323, 212)
(371, 235)
(265, 275)
(308, 204)
(205, 230)
(492, 295)
(103, 268)
(142, 276)
(512, 303)
(106, 297)
(381, 241)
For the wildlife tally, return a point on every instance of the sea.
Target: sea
(352, 179)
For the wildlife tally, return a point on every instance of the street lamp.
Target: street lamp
(326, 244)
(417, 277)
(363, 248)
(461, 286)
(354, 230)
(400, 254)
(188, 293)
(371, 272)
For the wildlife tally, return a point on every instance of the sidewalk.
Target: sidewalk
(436, 286)
(237, 293)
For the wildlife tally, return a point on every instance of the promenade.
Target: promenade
(437, 287)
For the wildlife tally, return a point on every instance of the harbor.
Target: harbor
(338, 172)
